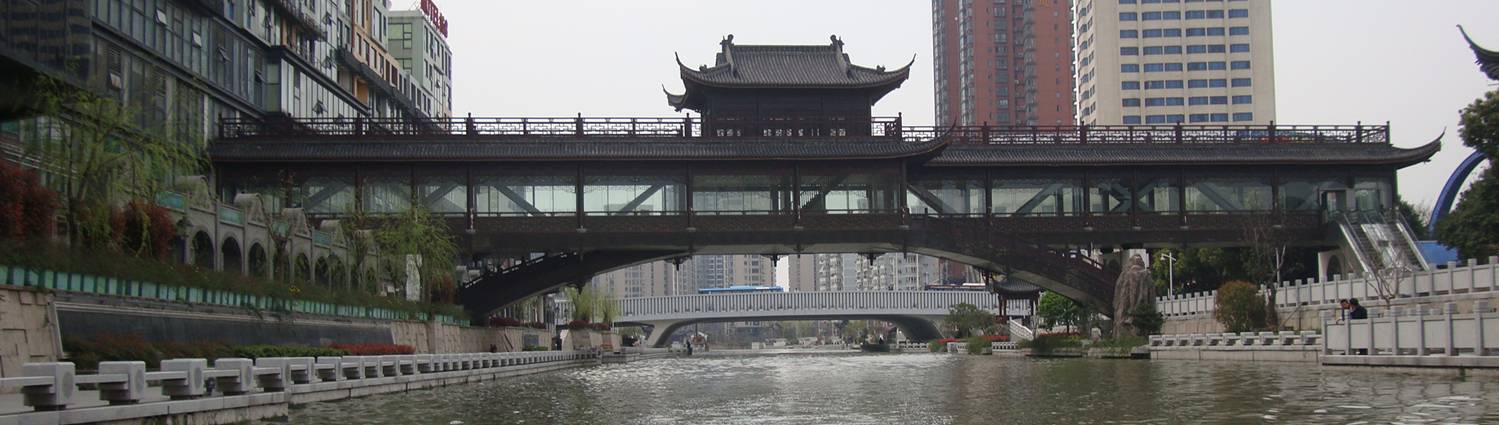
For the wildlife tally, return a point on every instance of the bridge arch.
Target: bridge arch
(914, 312)
(1070, 274)
(1448, 197)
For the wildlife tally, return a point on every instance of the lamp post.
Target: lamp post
(1170, 273)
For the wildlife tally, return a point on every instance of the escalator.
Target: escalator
(1380, 241)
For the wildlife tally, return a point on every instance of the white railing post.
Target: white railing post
(54, 396)
(241, 382)
(191, 385)
(1447, 311)
(129, 391)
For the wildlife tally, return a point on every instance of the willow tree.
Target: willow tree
(99, 150)
(424, 243)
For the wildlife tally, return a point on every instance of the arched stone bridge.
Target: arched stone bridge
(914, 312)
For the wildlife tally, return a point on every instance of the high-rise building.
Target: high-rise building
(654, 279)
(1003, 62)
(801, 273)
(421, 49)
(1176, 61)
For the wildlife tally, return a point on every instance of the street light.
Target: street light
(1170, 273)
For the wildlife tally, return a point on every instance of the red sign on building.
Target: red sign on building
(430, 8)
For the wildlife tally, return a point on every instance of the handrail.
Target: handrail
(891, 128)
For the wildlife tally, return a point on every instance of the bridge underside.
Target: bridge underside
(966, 242)
(919, 329)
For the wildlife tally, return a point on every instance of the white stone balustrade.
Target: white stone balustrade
(53, 386)
(1456, 279)
(1423, 336)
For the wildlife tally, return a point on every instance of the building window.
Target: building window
(1129, 85)
(1163, 84)
(1218, 100)
(1238, 30)
(1129, 34)
(1129, 51)
(1131, 101)
(1241, 82)
(1197, 118)
(1243, 116)
(1127, 16)
(1239, 65)
(1197, 100)
(1238, 13)
(1239, 48)
(1243, 99)
(1197, 14)
(1129, 67)
(1131, 119)
(1126, 1)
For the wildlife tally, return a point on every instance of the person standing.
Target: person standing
(1357, 312)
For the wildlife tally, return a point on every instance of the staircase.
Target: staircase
(1380, 241)
(1019, 332)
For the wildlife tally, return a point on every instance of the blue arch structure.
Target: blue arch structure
(1449, 191)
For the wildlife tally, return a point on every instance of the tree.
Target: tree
(1239, 307)
(105, 150)
(1478, 124)
(1146, 320)
(1055, 309)
(966, 319)
(1416, 217)
(422, 239)
(1473, 226)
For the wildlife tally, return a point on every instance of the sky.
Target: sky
(1336, 61)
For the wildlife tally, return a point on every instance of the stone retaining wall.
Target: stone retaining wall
(28, 329)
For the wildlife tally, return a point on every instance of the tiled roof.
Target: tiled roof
(1174, 154)
(802, 66)
(475, 149)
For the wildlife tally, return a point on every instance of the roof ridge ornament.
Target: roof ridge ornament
(728, 55)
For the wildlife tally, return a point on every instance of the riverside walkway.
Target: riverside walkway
(237, 390)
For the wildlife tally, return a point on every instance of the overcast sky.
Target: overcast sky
(1337, 61)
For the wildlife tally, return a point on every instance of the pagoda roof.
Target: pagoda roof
(1488, 60)
(784, 66)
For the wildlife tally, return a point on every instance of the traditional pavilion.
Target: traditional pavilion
(778, 90)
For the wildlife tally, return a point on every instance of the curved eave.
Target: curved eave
(470, 150)
(1105, 155)
(890, 80)
(1484, 55)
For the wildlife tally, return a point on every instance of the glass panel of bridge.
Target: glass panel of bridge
(387, 194)
(632, 194)
(1109, 196)
(1157, 196)
(1227, 195)
(326, 195)
(726, 194)
(946, 196)
(444, 195)
(521, 195)
(1371, 194)
(1037, 196)
(851, 193)
(1305, 194)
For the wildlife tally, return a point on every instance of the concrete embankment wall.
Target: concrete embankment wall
(28, 329)
(83, 315)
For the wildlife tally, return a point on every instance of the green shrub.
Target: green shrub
(1239, 307)
(258, 351)
(1146, 320)
(976, 344)
(1048, 343)
(934, 346)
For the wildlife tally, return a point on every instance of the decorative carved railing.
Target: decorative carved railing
(880, 128)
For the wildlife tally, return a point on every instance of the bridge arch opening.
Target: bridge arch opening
(203, 250)
(233, 258)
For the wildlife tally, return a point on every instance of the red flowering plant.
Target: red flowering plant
(374, 349)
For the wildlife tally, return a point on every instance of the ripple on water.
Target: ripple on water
(930, 389)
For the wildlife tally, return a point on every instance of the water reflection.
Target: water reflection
(933, 389)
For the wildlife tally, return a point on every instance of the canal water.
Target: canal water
(851, 388)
